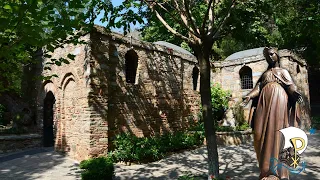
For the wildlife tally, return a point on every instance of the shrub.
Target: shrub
(315, 122)
(100, 168)
(224, 129)
(242, 127)
(2, 109)
(219, 101)
(129, 148)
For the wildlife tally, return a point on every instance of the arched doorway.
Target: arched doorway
(48, 136)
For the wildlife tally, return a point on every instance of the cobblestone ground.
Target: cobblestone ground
(238, 162)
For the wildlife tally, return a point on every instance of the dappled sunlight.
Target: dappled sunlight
(38, 164)
(235, 161)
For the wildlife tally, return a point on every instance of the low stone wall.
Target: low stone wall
(234, 138)
(11, 143)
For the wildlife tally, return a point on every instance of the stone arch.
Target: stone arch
(66, 79)
(68, 104)
(48, 119)
(47, 86)
(195, 76)
(131, 66)
(246, 77)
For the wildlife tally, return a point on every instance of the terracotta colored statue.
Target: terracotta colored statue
(274, 98)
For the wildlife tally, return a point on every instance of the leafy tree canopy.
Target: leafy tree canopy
(28, 25)
(289, 24)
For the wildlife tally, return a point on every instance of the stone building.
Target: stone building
(240, 72)
(120, 84)
(116, 84)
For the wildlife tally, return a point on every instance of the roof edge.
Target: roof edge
(142, 44)
(260, 57)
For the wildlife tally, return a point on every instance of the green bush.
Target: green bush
(241, 123)
(315, 122)
(100, 168)
(129, 148)
(242, 127)
(224, 129)
(219, 101)
(2, 109)
(190, 177)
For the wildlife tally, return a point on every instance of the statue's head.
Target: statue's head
(271, 55)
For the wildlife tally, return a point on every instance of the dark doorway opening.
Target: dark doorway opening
(195, 76)
(48, 136)
(131, 66)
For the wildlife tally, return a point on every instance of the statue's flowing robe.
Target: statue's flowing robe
(275, 110)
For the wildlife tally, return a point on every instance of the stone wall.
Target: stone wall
(227, 74)
(161, 99)
(94, 102)
(12, 143)
(72, 113)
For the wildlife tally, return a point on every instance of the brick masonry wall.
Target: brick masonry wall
(227, 74)
(72, 114)
(161, 100)
(94, 102)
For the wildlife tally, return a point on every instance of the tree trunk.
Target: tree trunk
(202, 52)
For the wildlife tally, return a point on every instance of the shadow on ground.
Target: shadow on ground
(237, 162)
(41, 164)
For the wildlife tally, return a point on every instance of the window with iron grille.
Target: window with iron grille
(246, 77)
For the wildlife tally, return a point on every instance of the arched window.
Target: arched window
(246, 77)
(195, 75)
(131, 66)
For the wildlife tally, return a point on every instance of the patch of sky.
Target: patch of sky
(119, 30)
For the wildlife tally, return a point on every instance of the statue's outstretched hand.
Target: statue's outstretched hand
(297, 96)
(245, 100)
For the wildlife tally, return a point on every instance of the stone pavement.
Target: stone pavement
(42, 164)
(238, 162)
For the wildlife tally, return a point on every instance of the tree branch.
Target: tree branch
(209, 11)
(167, 25)
(190, 17)
(214, 33)
(184, 23)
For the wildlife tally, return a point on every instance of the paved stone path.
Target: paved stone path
(42, 164)
(238, 162)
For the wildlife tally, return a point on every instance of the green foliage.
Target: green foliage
(190, 176)
(129, 148)
(100, 168)
(219, 101)
(2, 110)
(243, 127)
(298, 24)
(224, 129)
(315, 122)
(238, 113)
(29, 25)
(291, 24)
